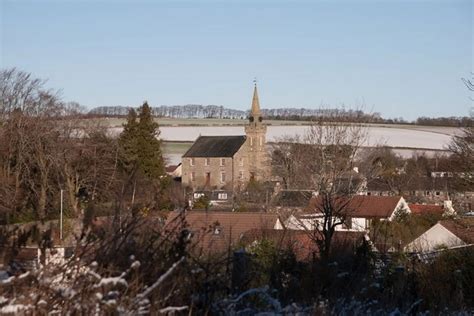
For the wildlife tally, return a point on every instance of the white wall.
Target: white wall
(433, 239)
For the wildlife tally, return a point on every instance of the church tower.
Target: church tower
(256, 131)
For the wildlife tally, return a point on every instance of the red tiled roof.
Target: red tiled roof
(216, 232)
(303, 243)
(420, 209)
(462, 228)
(365, 206)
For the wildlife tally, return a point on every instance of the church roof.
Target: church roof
(215, 146)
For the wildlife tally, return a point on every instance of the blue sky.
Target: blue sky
(400, 58)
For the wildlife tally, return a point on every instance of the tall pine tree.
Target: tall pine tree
(140, 148)
(141, 160)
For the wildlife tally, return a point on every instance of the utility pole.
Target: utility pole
(61, 218)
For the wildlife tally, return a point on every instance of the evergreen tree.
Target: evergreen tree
(140, 148)
(149, 146)
(128, 146)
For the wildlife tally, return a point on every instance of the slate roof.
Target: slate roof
(365, 206)
(215, 146)
(293, 198)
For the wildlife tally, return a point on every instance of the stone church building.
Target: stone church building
(228, 162)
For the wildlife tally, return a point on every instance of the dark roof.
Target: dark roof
(171, 168)
(293, 198)
(215, 146)
(366, 206)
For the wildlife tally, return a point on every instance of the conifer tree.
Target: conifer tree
(140, 158)
(128, 147)
(140, 148)
(149, 146)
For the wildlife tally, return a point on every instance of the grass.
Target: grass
(176, 147)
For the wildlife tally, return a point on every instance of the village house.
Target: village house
(433, 209)
(433, 189)
(228, 162)
(359, 212)
(446, 234)
(302, 243)
(218, 232)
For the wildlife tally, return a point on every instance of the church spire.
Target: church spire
(255, 112)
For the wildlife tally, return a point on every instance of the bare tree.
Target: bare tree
(331, 150)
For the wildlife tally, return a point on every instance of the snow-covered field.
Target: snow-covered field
(405, 137)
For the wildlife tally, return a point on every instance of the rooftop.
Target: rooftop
(215, 146)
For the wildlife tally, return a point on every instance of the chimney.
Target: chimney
(448, 208)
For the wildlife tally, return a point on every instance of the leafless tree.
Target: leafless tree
(323, 161)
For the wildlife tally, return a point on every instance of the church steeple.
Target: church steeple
(256, 131)
(255, 112)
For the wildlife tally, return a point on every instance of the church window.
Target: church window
(191, 161)
(222, 176)
(207, 161)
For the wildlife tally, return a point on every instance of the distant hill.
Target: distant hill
(289, 113)
(219, 111)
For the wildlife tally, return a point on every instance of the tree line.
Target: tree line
(42, 154)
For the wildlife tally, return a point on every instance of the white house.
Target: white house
(444, 235)
(359, 211)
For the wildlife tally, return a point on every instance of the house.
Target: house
(433, 209)
(359, 211)
(448, 234)
(228, 162)
(217, 232)
(174, 171)
(303, 244)
(291, 200)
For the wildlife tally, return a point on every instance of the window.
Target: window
(222, 176)
(191, 161)
(193, 176)
(197, 195)
(241, 175)
(261, 140)
(222, 196)
(368, 223)
(251, 141)
(207, 162)
(241, 162)
(222, 162)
